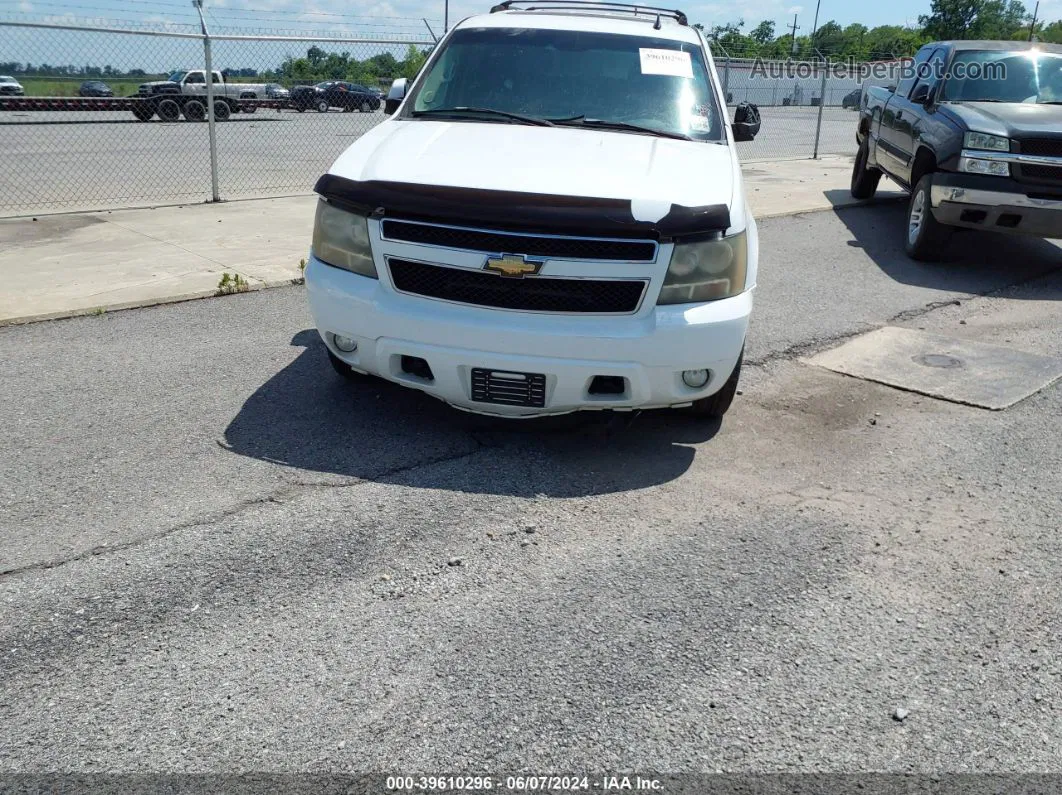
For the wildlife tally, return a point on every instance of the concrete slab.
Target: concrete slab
(957, 370)
(791, 187)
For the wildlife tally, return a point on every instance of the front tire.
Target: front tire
(718, 404)
(322, 106)
(222, 111)
(343, 369)
(926, 236)
(864, 180)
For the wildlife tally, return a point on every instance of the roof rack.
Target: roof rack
(590, 5)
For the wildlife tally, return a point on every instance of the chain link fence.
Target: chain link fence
(126, 122)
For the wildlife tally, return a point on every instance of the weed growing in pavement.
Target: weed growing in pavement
(232, 283)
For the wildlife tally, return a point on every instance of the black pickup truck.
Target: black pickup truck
(974, 132)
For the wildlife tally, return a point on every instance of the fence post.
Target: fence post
(726, 80)
(822, 106)
(211, 123)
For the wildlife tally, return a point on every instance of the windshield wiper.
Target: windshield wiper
(462, 110)
(605, 124)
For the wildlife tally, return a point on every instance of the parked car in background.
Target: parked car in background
(975, 134)
(276, 91)
(852, 100)
(94, 88)
(10, 87)
(335, 94)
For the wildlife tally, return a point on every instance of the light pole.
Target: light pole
(815, 26)
(1032, 27)
(446, 16)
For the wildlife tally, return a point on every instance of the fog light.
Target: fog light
(345, 344)
(695, 379)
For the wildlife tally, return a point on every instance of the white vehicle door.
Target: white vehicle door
(194, 83)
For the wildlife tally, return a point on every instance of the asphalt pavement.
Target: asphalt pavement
(217, 556)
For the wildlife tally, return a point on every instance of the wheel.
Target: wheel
(348, 108)
(299, 109)
(366, 107)
(169, 110)
(322, 106)
(718, 404)
(343, 368)
(926, 235)
(222, 111)
(194, 110)
(248, 107)
(143, 111)
(864, 180)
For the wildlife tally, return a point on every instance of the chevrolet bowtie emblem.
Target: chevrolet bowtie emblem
(512, 265)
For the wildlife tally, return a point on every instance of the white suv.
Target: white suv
(552, 220)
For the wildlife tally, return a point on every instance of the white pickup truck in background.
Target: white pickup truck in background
(184, 93)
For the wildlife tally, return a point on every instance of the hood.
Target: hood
(1009, 120)
(648, 172)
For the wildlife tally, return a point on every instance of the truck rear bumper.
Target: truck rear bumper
(1000, 205)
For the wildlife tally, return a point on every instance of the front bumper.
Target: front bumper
(649, 352)
(997, 204)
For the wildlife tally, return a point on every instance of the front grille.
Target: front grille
(534, 294)
(1042, 147)
(1042, 173)
(529, 244)
(508, 388)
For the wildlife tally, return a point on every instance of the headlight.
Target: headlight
(991, 143)
(706, 271)
(993, 168)
(342, 239)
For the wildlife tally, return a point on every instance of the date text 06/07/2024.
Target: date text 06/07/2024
(522, 783)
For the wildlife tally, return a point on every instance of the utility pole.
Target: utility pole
(1032, 27)
(446, 16)
(815, 27)
(212, 134)
(796, 27)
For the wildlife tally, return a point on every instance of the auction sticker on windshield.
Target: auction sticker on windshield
(674, 63)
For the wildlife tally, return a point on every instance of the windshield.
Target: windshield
(176, 77)
(656, 84)
(993, 76)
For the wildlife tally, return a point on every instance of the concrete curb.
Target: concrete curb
(106, 309)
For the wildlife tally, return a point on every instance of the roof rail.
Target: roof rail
(589, 5)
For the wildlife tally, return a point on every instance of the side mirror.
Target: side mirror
(395, 95)
(921, 95)
(746, 124)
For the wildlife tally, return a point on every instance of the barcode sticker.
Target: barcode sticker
(674, 63)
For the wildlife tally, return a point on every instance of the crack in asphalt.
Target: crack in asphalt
(281, 495)
(484, 439)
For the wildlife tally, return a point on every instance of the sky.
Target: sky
(391, 19)
(395, 15)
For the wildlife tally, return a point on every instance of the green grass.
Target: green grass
(65, 87)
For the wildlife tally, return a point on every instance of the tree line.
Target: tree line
(316, 66)
(947, 19)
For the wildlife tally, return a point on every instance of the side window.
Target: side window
(216, 78)
(909, 80)
(194, 78)
(933, 71)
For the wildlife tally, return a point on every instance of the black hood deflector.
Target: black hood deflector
(525, 212)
